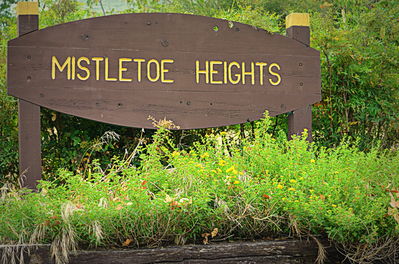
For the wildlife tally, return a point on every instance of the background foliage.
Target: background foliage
(358, 41)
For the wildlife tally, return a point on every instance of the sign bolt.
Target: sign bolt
(164, 43)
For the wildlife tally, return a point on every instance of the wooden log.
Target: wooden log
(276, 251)
(28, 113)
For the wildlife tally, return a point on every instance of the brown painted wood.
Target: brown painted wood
(283, 251)
(184, 38)
(29, 123)
(301, 118)
(299, 33)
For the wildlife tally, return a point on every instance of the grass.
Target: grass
(224, 187)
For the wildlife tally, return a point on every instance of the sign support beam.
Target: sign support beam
(29, 114)
(297, 26)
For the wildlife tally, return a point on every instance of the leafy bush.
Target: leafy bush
(224, 186)
(359, 50)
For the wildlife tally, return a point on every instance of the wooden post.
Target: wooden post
(297, 25)
(29, 114)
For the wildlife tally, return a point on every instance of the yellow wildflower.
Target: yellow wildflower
(292, 181)
(312, 161)
(236, 182)
(280, 186)
(205, 155)
(291, 189)
(230, 169)
(223, 133)
(175, 153)
(222, 162)
(199, 166)
(334, 205)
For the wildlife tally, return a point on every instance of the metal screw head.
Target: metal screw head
(164, 43)
(84, 36)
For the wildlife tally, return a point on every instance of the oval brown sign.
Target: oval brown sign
(196, 71)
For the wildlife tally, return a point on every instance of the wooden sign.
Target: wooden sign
(196, 71)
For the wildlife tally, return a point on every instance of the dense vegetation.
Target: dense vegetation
(358, 40)
(224, 187)
(104, 184)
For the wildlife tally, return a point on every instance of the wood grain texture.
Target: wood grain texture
(300, 119)
(29, 123)
(185, 38)
(283, 251)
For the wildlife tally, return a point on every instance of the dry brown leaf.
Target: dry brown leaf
(214, 232)
(393, 203)
(394, 212)
(127, 242)
(205, 236)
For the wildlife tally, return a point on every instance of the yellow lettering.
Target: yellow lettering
(198, 71)
(163, 70)
(73, 67)
(107, 78)
(54, 63)
(261, 72)
(225, 72)
(85, 69)
(236, 64)
(123, 69)
(213, 71)
(274, 74)
(149, 77)
(97, 61)
(139, 61)
(250, 73)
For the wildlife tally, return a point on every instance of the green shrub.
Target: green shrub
(359, 50)
(247, 189)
